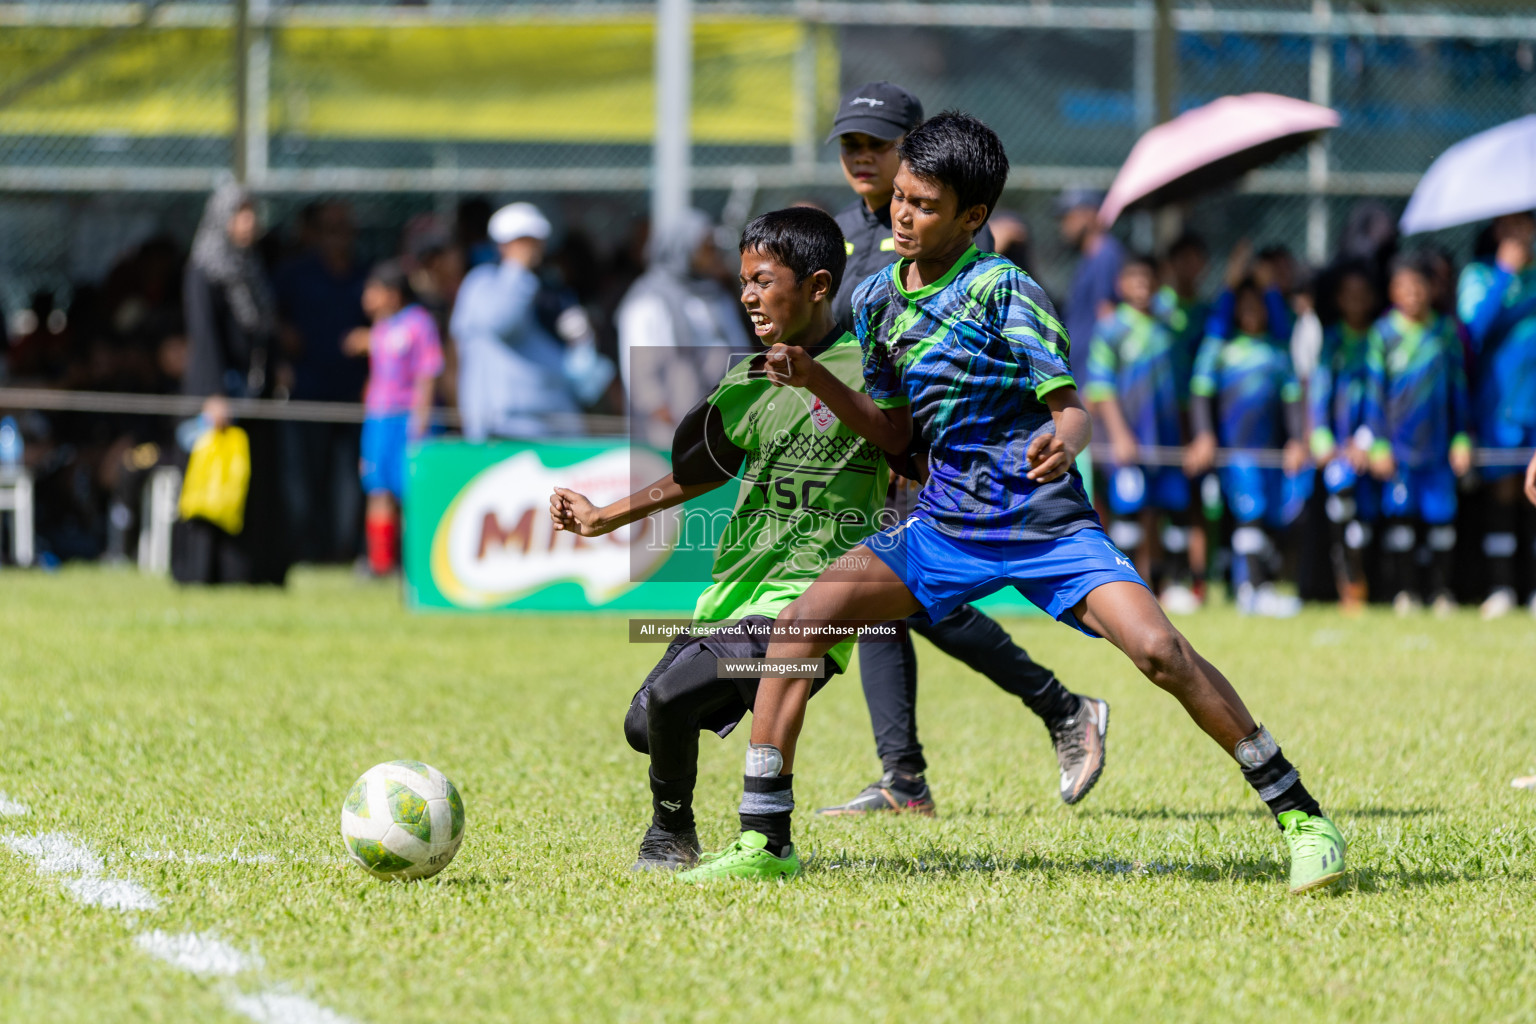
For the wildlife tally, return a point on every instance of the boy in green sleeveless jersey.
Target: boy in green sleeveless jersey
(809, 490)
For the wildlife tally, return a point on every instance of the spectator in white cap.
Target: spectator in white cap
(516, 379)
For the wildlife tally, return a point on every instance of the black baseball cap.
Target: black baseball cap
(880, 109)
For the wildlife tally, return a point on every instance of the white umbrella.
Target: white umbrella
(1488, 175)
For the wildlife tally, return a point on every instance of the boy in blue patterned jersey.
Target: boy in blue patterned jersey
(1178, 304)
(1497, 301)
(968, 348)
(869, 126)
(1344, 399)
(1133, 388)
(1245, 396)
(1421, 444)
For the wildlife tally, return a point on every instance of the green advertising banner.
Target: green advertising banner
(478, 536)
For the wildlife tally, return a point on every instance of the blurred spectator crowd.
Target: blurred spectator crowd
(539, 327)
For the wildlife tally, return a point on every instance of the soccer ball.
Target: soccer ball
(402, 820)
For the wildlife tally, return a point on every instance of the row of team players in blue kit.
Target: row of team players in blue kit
(1387, 421)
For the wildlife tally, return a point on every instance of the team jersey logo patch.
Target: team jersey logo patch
(821, 415)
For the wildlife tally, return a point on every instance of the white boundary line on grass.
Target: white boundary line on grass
(233, 857)
(281, 1008)
(202, 955)
(54, 853)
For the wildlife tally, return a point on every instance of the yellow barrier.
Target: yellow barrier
(540, 81)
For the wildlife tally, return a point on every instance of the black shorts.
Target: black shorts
(728, 700)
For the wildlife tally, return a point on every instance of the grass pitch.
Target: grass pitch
(200, 742)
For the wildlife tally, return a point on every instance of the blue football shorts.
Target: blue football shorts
(1133, 488)
(945, 572)
(383, 454)
(1264, 494)
(1428, 494)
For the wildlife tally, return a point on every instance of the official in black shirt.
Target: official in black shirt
(870, 124)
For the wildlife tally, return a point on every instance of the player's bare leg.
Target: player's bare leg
(1128, 616)
(859, 591)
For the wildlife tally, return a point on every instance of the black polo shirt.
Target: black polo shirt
(867, 235)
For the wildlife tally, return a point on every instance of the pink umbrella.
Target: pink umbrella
(1210, 146)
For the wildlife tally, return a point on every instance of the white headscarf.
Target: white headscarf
(234, 267)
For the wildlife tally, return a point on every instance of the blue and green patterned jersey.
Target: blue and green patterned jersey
(1131, 359)
(1499, 309)
(1423, 387)
(974, 353)
(1186, 319)
(1345, 391)
(1249, 380)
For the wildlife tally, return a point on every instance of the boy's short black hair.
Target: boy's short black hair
(1416, 262)
(1139, 259)
(1249, 284)
(391, 274)
(1355, 268)
(1188, 242)
(962, 154)
(802, 238)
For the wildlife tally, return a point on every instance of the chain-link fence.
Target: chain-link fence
(115, 118)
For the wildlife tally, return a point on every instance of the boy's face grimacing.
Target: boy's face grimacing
(1410, 294)
(780, 307)
(1136, 284)
(869, 164)
(926, 220)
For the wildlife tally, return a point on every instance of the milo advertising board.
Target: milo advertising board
(478, 536)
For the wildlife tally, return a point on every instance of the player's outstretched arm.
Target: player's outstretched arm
(575, 513)
(1530, 481)
(889, 429)
(1051, 455)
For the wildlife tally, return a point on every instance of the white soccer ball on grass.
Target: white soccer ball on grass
(402, 820)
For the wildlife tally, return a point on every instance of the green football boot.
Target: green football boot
(1317, 850)
(747, 857)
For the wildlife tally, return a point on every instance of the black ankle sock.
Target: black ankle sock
(905, 776)
(766, 807)
(1441, 565)
(1258, 569)
(1278, 784)
(672, 803)
(1500, 532)
(1053, 702)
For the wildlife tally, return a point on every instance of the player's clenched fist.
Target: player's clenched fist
(789, 366)
(576, 514)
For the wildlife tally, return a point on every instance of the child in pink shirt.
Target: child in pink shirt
(405, 357)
